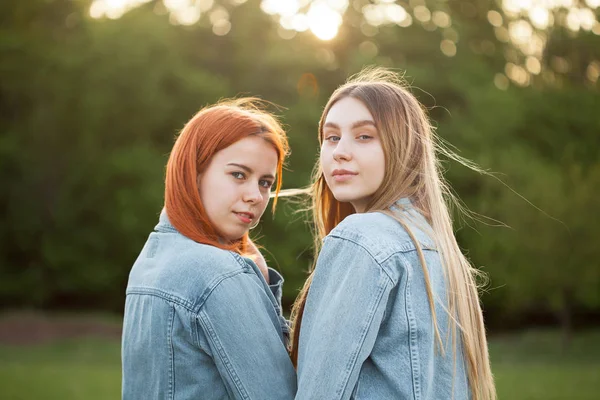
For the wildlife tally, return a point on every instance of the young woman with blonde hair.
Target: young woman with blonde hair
(203, 321)
(391, 310)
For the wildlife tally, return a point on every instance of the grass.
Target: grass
(533, 365)
(527, 365)
(69, 369)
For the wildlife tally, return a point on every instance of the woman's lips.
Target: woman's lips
(343, 175)
(245, 217)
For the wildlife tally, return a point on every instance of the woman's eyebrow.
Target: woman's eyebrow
(331, 125)
(363, 122)
(357, 124)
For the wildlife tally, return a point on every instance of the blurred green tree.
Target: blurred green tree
(90, 106)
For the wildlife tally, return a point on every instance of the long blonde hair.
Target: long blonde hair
(412, 170)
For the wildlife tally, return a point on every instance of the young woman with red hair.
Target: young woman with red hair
(202, 320)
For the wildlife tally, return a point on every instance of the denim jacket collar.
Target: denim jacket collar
(402, 203)
(164, 225)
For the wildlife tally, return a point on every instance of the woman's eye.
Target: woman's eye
(365, 137)
(332, 138)
(238, 175)
(265, 184)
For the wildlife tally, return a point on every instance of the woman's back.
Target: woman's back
(367, 329)
(193, 315)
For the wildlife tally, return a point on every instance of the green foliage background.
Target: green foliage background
(89, 110)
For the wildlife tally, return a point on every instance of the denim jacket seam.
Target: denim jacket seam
(163, 295)
(368, 251)
(164, 228)
(186, 303)
(195, 330)
(205, 321)
(406, 246)
(171, 353)
(413, 339)
(371, 314)
(212, 285)
(403, 246)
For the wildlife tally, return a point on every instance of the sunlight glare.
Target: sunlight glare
(374, 14)
(448, 48)
(286, 34)
(338, 5)
(540, 17)
(174, 5)
(219, 14)
(533, 65)
(285, 8)
(406, 22)
(520, 31)
(517, 74)
(380, 14)
(300, 22)
(573, 20)
(593, 71)
(222, 27)
(113, 9)
(526, 16)
(441, 19)
(495, 18)
(511, 6)
(97, 9)
(187, 15)
(395, 13)
(205, 5)
(286, 22)
(422, 13)
(502, 34)
(562, 3)
(587, 18)
(323, 21)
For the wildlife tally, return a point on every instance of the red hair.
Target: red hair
(213, 129)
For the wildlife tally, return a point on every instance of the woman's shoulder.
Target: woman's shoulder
(174, 266)
(370, 221)
(378, 230)
(184, 252)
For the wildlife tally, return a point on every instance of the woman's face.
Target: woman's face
(352, 158)
(235, 186)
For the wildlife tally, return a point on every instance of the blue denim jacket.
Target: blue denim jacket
(202, 323)
(367, 329)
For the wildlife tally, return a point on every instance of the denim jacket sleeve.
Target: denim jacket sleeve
(342, 316)
(276, 285)
(247, 343)
(276, 288)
